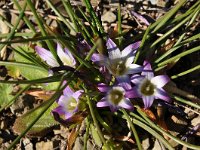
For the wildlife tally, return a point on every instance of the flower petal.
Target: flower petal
(70, 55)
(134, 68)
(59, 110)
(97, 57)
(137, 79)
(77, 94)
(103, 103)
(148, 101)
(67, 91)
(46, 56)
(126, 104)
(63, 101)
(131, 49)
(133, 93)
(103, 87)
(140, 17)
(162, 94)
(147, 71)
(64, 57)
(160, 81)
(68, 115)
(124, 81)
(113, 50)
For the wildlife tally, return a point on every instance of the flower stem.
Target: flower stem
(95, 122)
(133, 129)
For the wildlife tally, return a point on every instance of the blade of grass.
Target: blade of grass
(94, 16)
(133, 129)
(43, 31)
(11, 34)
(36, 39)
(48, 104)
(70, 12)
(94, 30)
(186, 102)
(67, 23)
(174, 28)
(144, 38)
(17, 34)
(20, 64)
(15, 97)
(186, 72)
(119, 25)
(195, 49)
(153, 132)
(28, 23)
(168, 15)
(166, 133)
(177, 46)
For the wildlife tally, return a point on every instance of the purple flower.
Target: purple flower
(150, 87)
(68, 102)
(64, 55)
(115, 97)
(119, 63)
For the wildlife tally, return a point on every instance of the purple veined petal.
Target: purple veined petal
(103, 87)
(137, 79)
(67, 91)
(113, 50)
(65, 58)
(68, 115)
(148, 101)
(160, 81)
(113, 108)
(46, 56)
(70, 55)
(131, 49)
(132, 93)
(140, 17)
(124, 81)
(97, 57)
(63, 101)
(77, 94)
(126, 104)
(59, 110)
(162, 94)
(103, 103)
(147, 70)
(134, 68)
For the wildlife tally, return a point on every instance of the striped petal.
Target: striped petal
(148, 101)
(160, 81)
(162, 94)
(103, 87)
(147, 71)
(131, 49)
(103, 103)
(46, 56)
(113, 50)
(126, 104)
(66, 58)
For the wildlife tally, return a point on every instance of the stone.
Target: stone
(44, 145)
(109, 17)
(27, 144)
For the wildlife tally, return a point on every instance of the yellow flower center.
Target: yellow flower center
(116, 95)
(147, 88)
(117, 67)
(72, 104)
